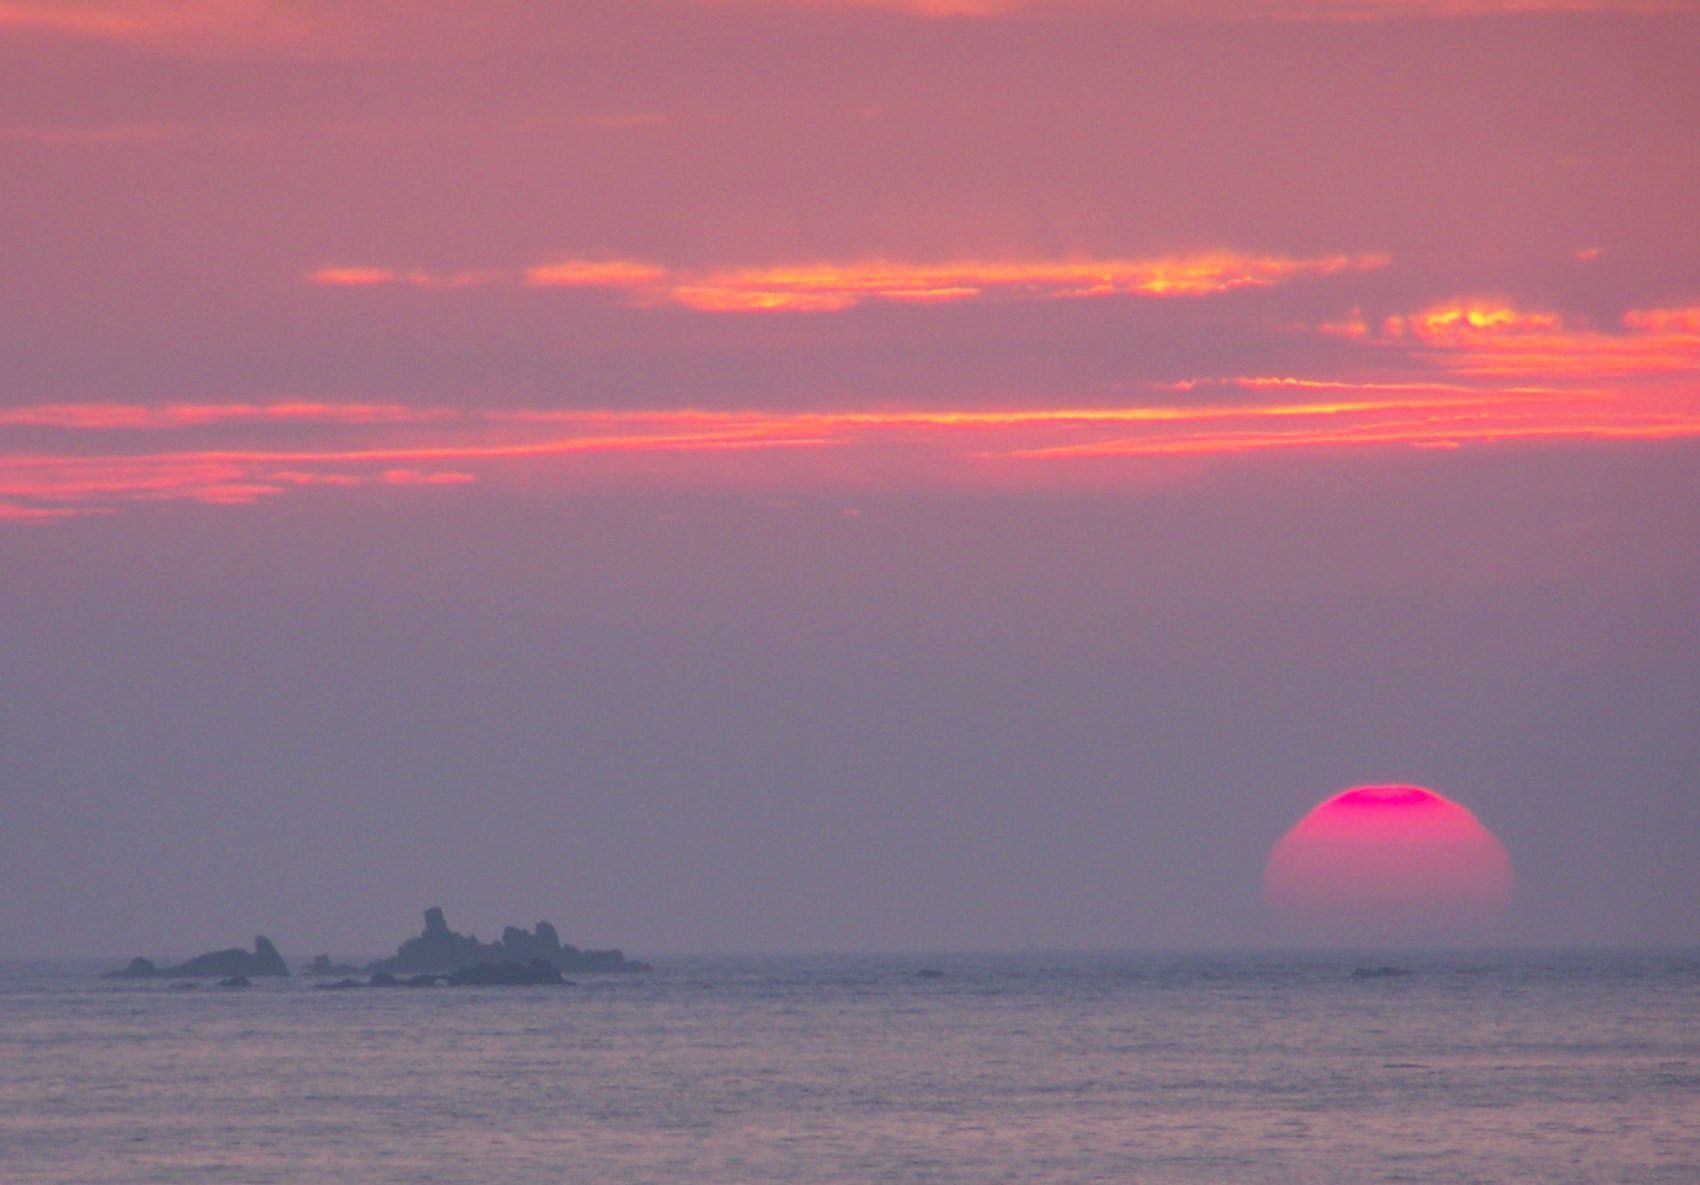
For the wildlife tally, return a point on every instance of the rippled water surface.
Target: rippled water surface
(1485, 1068)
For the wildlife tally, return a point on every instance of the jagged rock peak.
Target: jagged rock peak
(440, 950)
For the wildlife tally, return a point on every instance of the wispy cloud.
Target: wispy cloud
(359, 28)
(383, 277)
(834, 286)
(1459, 373)
(1510, 375)
(838, 286)
(103, 459)
(1281, 10)
(93, 416)
(1491, 418)
(200, 26)
(1492, 338)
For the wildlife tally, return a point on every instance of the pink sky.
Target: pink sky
(284, 205)
(276, 266)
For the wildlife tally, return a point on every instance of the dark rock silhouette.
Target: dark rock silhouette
(322, 965)
(185, 986)
(437, 956)
(509, 974)
(1385, 971)
(441, 951)
(219, 964)
(479, 975)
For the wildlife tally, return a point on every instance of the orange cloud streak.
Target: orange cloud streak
(829, 287)
(1486, 421)
(1512, 375)
(590, 273)
(1491, 339)
(439, 447)
(1509, 375)
(833, 286)
(380, 277)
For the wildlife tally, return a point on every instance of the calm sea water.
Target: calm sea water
(1547, 1068)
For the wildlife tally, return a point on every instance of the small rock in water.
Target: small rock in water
(1385, 971)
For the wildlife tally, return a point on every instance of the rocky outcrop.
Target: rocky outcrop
(322, 965)
(437, 955)
(538, 971)
(136, 968)
(439, 950)
(234, 963)
(478, 975)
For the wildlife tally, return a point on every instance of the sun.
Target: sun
(1388, 865)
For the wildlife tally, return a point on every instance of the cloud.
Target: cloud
(95, 416)
(1489, 418)
(1458, 373)
(349, 29)
(830, 286)
(16, 512)
(1677, 322)
(215, 27)
(383, 277)
(837, 286)
(588, 273)
(432, 447)
(1494, 338)
(1244, 10)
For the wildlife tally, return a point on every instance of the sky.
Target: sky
(820, 475)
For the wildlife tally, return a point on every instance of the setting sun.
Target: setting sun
(1388, 864)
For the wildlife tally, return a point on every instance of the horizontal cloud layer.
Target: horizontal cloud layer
(320, 28)
(817, 287)
(1461, 372)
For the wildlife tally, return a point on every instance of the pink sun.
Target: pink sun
(1386, 865)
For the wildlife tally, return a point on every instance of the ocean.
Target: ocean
(1203, 1070)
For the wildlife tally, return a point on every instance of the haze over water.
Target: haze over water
(840, 475)
(1245, 1070)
